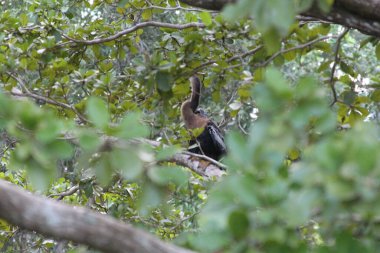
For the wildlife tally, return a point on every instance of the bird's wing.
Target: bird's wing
(216, 136)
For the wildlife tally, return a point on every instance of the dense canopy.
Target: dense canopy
(94, 150)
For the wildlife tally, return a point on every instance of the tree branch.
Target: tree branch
(215, 5)
(80, 225)
(134, 28)
(202, 165)
(27, 93)
(348, 19)
(361, 15)
(236, 57)
(69, 192)
(336, 61)
(302, 46)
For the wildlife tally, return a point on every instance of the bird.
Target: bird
(210, 142)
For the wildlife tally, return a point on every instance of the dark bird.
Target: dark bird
(210, 142)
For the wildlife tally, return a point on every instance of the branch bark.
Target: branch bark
(358, 14)
(349, 19)
(215, 5)
(76, 224)
(369, 8)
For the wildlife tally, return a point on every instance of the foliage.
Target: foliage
(302, 177)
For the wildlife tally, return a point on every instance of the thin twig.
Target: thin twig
(19, 81)
(184, 219)
(200, 148)
(28, 93)
(240, 126)
(239, 56)
(308, 20)
(69, 192)
(219, 164)
(336, 61)
(134, 28)
(302, 46)
(243, 55)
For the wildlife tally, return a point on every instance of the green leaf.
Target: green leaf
(206, 18)
(147, 14)
(24, 19)
(151, 196)
(48, 129)
(378, 51)
(239, 224)
(122, 3)
(132, 127)
(164, 81)
(304, 5)
(197, 131)
(291, 55)
(97, 112)
(165, 175)
(238, 10)
(298, 207)
(61, 149)
(29, 115)
(238, 152)
(39, 177)
(89, 140)
(166, 152)
(211, 240)
(375, 96)
(294, 154)
(103, 169)
(128, 162)
(277, 83)
(346, 68)
(349, 97)
(324, 66)
(272, 41)
(323, 46)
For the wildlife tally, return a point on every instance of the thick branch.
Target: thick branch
(339, 15)
(202, 165)
(77, 224)
(361, 15)
(215, 5)
(368, 8)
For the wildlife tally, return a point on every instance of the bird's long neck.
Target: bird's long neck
(196, 92)
(188, 108)
(191, 119)
(188, 115)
